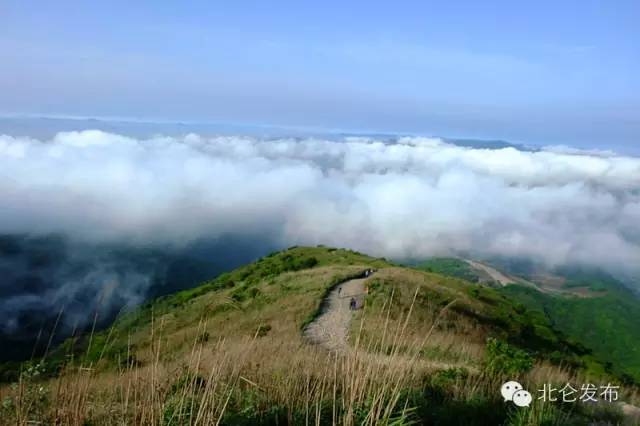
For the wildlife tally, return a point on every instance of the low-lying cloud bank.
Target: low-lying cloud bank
(412, 198)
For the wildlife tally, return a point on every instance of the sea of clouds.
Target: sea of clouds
(414, 197)
(407, 198)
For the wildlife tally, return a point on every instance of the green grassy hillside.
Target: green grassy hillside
(449, 266)
(609, 325)
(588, 307)
(426, 348)
(260, 293)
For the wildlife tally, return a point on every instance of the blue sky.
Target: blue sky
(547, 72)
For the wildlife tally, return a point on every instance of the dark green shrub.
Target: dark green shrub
(239, 295)
(450, 375)
(503, 358)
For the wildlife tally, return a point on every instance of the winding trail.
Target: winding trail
(331, 329)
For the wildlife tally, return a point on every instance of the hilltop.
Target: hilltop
(424, 347)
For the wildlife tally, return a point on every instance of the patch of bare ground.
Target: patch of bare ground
(330, 330)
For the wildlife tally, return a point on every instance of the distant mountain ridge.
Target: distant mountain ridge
(47, 127)
(487, 144)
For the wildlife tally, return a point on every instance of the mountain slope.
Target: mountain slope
(609, 325)
(282, 291)
(589, 307)
(426, 348)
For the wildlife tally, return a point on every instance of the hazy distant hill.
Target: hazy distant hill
(486, 144)
(47, 127)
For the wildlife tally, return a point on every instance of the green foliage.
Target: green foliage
(183, 399)
(451, 267)
(514, 322)
(291, 260)
(508, 319)
(245, 293)
(449, 376)
(505, 359)
(585, 321)
(243, 279)
(249, 407)
(112, 347)
(399, 417)
(565, 330)
(591, 278)
(33, 394)
(447, 354)
(436, 404)
(542, 414)
(520, 320)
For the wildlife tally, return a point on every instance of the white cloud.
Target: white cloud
(416, 197)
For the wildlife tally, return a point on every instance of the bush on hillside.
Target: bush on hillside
(503, 358)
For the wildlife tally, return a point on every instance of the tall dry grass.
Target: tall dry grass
(229, 381)
(267, 380)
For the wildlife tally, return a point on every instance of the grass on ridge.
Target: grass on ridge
(231, 352)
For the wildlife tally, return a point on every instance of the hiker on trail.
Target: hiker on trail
(352, 304)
